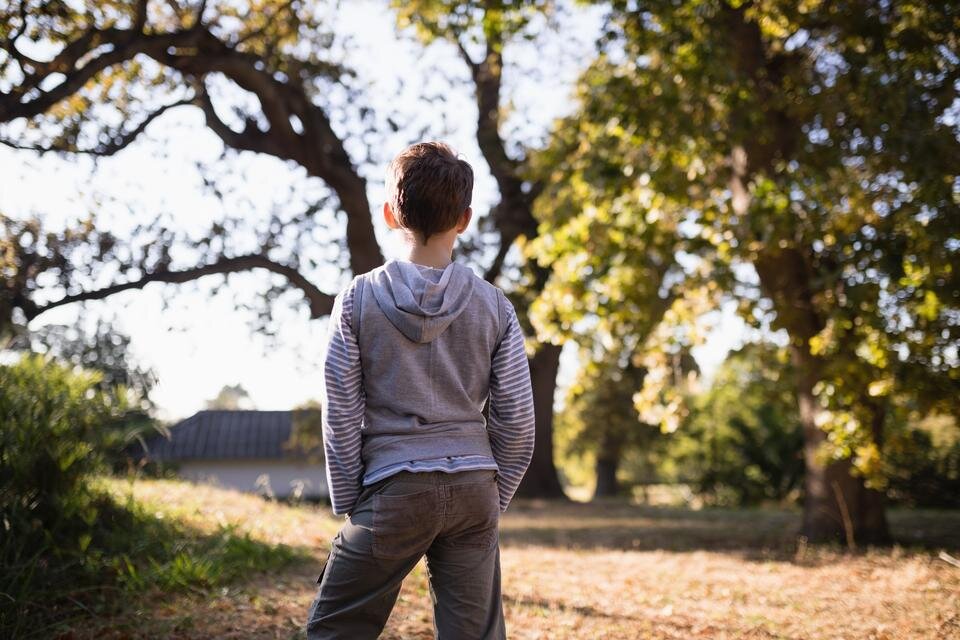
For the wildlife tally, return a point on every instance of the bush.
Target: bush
(54, 417)
(54, 421)
(67, 546)
(742, 442)
(924, 464)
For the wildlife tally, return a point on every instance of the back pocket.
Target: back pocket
(403, 525)
(473, 515)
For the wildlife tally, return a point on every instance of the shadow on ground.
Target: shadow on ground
(760, 532)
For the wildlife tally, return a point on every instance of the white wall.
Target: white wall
(244, 474)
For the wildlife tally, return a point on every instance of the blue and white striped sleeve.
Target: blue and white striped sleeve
(342, 406)
(510, 423)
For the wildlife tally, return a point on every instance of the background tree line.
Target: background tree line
(798, 159)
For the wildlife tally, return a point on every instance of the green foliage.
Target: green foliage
(231, 397)
(66, 545)
(106, 351)
(481, 22)
(50, 444)
(924, 464)
(306, 432)
(797, 157)
(599, 423)
(55, 425)
(742, 442)
(143, 551)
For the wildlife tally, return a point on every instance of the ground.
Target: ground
(610, 570)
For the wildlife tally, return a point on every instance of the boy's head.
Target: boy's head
(428, 189)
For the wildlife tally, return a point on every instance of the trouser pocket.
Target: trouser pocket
(473, 515)
(404, 520)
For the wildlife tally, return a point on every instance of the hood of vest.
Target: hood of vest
(421, 301)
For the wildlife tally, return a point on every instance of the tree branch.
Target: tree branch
(126, 44)
(493, 271)
(250, 139)
(320, 303)
(196, 52)
(473, 66)
(140, 18)
(117, 143)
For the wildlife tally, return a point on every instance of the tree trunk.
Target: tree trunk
(837, 505)
(607, 485)
(541, 480)
(822, 519)
(608, 460)
(513, 217)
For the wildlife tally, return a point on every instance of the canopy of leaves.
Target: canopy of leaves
(814, 142)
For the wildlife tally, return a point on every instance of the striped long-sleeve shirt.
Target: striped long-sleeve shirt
(510, 424)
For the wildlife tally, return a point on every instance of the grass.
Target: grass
(607, 570)
(136, 551)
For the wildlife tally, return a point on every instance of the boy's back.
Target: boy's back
(416, 348)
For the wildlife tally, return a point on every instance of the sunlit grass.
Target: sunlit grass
(140, 549)
(575, 571)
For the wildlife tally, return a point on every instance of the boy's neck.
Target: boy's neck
(436, 253)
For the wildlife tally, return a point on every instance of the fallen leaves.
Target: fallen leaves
(572, 571)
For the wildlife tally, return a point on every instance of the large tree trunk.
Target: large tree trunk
(541, 480)
(513, 217)
(837, 505)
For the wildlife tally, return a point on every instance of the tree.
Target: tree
(598, 419)
(231, 398)
(132, 61)
(306, 431)
(481, 32)
(742, 441)
(813, 143)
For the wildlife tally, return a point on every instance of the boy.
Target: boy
(415, 348)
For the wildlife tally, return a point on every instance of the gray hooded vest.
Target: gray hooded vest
(427, 338)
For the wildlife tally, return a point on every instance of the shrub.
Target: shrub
(67, 546)
(742, 442)
(53, 419)
(924, 464)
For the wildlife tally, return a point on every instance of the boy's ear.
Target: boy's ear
(389, 217)
(465, 220)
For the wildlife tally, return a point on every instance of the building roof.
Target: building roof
(226, 435)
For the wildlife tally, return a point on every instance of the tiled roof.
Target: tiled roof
(223, 434)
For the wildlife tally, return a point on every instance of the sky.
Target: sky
(197, 341)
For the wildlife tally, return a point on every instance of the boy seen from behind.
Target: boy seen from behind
(415, 349)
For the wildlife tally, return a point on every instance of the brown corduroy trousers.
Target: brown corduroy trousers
(453, 519)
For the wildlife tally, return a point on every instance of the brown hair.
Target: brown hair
(429, 188)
